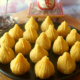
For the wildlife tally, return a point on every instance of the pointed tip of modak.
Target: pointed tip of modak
(20, 57)
(64, 22)
(43, 34)
(60, 37)
(31, 19)
(45, 58)
(73, 31)
(48, 18)
(16, 25)
(66, 54)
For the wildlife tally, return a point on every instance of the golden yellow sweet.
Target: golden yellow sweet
(44, 41)
(46, 23)
(66, 64)
(31, 23)
(7, 40)
(19, 65)
(37, 53)
(60, 46)
(75, 51)
(16, 32)
(44, 68)
(30, 34)
(6, 54)
(51, 33)
(63, 29)
(72, 37)
(22, 46)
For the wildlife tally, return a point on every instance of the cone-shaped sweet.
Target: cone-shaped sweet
(60, 46)
(30, 34)
(44, 41)
(19, 65)
(7, 40)
(51, 33)
(63, 29)
(16, 32)
(37, 53)
(66, 64)
(44, 68)
(22, 46)
(72, 37)
(6, 54)
(46, 23)
(75, 51)
(31, 23)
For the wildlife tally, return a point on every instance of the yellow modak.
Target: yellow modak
(72, 37)
(66, 64)
(22, 46)
(16, 32)
(31, 23)
(6, 54)
(51, 33)
(7, 40)
(46, 23)
(44, 68)
(30, 34)
(63, 29)
(60, 45)
(37, 53)
(19, 65)
(75, 51)
(44, 41)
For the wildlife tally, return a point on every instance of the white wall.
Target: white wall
(70, 2)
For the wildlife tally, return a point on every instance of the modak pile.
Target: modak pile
(62, 39)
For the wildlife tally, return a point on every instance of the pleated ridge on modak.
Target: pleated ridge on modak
(30, 34)
(31, 23)
(75, 51)
(6, 54)
(44, 41)
(37, 53)
(51, 33)
(16, 32)
(7, 40)
(63, 29)
(60, 46)
(23, 46)
(45, 24)
(72, 37)
(19, 65)
(44, 68)
(66, 64)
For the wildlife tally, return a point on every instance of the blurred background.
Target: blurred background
(70, 7)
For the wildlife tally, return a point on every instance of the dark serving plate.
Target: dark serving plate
(30, 75)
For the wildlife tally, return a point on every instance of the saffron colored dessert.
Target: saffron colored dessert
(44, 68)
(22, 46)
(44, 41)
(19, 65)
(16, 32)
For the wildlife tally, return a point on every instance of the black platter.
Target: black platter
(30, 75)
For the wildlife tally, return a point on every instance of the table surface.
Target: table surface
(21, 16)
